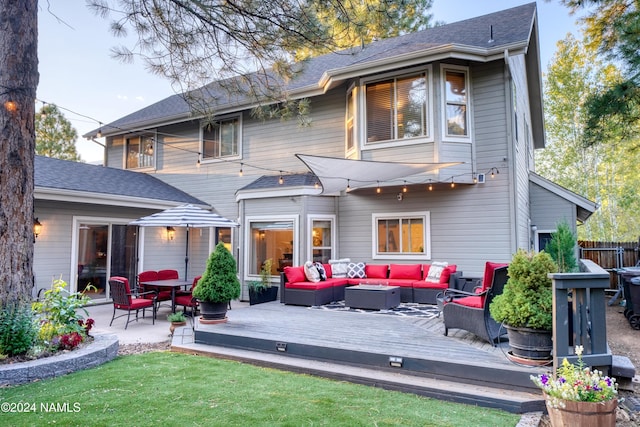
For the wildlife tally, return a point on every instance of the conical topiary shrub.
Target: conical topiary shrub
(219, 283)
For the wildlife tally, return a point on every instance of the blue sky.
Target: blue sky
(78, 74)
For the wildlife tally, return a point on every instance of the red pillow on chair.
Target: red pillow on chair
(489, 268)
(295, 274)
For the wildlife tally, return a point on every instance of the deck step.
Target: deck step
(473, 394)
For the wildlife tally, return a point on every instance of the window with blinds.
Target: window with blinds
(397, 108)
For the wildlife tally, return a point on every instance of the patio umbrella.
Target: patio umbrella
(188, 216)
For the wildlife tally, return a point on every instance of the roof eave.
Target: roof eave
(584, 206)
(86, 197)
(441, 52)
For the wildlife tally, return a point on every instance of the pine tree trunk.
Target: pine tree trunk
(18, 83)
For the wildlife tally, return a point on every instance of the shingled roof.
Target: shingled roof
(484, 37)
(62, 177)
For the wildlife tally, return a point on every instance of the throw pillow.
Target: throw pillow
(295, 274)
(321, 270)
(435, 271)
(339, 267)
(311, 272)
(355, 270)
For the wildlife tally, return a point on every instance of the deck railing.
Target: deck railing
(579, 316)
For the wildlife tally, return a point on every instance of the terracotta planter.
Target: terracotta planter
(583, 414)
(175, 325)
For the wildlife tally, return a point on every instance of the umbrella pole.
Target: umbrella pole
(186, 256)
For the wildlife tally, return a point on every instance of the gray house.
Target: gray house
(420, 148)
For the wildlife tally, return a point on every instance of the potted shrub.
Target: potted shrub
(525, 306)
(261, 290)
(176, 319)
(218, 285)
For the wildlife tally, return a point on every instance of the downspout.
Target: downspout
(104, 150)
(511, 160)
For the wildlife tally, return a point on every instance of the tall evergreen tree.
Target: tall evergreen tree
(18, 83)
(604, 173)
(613, 27)
(55, 136)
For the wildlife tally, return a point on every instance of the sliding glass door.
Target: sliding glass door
(104, 249)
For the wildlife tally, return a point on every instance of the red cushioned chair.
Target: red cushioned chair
(470, 310)
(186, 300)
(123, 299)
(162, 294)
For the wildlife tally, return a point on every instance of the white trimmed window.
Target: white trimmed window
(321, 238)
(456, 97)
(397, 108)
(221, 139)
(270, 238)
(405, 235)
(140, 151)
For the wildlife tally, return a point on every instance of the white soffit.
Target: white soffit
(335, 174)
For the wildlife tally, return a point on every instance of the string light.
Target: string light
(11, 106)
(348, 185)
(475, 178)
(453, 184)
(378, 190)
(404, 188)
(281, 179)
(241, 173)
(99, 134)
(494, 171)
(430, 187)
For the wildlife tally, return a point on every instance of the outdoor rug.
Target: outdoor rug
(407, 309)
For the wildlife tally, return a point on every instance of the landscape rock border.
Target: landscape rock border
(103, 349)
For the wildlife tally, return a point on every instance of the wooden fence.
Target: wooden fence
(611, 255)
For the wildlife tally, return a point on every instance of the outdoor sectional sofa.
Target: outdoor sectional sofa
(296, 289)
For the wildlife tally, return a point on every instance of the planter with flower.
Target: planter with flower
(579, 395)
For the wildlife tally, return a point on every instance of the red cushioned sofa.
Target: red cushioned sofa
(295, 289)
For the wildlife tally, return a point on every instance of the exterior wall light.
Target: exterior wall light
(171, 233)
(37, 228)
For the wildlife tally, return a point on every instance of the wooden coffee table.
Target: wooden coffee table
(372, 297)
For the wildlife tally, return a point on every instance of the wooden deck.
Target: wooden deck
(362, 347)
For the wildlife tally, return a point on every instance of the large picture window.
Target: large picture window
(456, 100)
(397, 108)
(140, 152)
(221, 139)
(270, 240)
(405, 235)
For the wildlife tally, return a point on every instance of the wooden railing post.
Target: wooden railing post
(579, 316)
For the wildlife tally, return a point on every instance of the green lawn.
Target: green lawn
(171, 389)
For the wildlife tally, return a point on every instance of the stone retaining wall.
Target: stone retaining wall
(103, 349)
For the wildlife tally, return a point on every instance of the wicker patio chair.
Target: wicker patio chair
(470, 310)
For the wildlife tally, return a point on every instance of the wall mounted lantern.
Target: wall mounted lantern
(171, 233)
